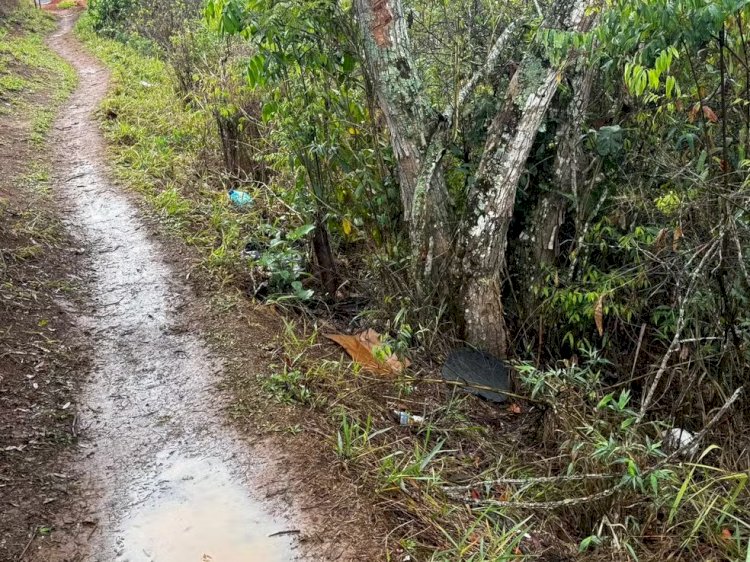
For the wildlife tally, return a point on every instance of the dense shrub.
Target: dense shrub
(107, 16)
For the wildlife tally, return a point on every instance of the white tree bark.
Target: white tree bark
(492, 200)
(418, 132)
(411, 121)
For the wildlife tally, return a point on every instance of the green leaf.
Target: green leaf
(670, 85)
(609, 140)
(300, 232)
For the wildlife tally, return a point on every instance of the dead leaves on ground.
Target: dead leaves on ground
(363, 347)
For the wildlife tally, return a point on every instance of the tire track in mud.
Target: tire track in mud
(169, 481)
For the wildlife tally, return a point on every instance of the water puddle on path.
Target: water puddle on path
(200, 513)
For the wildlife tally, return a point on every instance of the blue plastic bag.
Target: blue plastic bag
(240, 198)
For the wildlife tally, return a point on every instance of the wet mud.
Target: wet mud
(170, 481)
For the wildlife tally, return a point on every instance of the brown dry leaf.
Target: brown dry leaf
(599, 315)
(709, 114)
(661, 239)
(676, 238)
(360, 346)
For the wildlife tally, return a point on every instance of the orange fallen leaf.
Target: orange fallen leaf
(360, 348)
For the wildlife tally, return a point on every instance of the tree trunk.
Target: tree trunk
(492, 200)
(326, 264)
(411, 123)
(553, 205)
(419, 134)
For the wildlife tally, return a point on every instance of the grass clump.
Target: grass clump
(34, 80)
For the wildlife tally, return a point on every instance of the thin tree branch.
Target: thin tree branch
(568, 502)
(678, 330)
(486, 70)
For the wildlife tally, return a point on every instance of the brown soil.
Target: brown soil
(42, 356)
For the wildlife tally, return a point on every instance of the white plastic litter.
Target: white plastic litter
(676, 438)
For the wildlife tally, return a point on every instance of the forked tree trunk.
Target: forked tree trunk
(492, 200)
(419, 133)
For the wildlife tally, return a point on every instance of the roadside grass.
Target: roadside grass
(566, 474)
(28, 67)
(482, 482)
(164, 149)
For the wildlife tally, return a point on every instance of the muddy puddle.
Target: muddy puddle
(170, 481)
(199, 512)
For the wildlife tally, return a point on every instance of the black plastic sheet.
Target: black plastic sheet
(478, 368)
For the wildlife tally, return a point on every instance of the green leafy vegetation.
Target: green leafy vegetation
(564, 188)
(27, 67)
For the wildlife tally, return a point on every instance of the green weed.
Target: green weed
(34, 80)
(354, 439)
(400, 468)
(289, 387)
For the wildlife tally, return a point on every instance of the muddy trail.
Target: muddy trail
(165, 478)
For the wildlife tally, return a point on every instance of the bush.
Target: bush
(109, 15)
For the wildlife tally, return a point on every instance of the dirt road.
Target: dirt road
(168, 480)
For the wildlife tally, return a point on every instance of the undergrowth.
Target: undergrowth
(572, 473)
(165, 148)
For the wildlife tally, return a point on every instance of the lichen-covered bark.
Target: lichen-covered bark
(411, 122)
(493, 198)
(419, 134)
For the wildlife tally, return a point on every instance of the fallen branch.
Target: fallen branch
(532, 480)
(470, 385)
(28, 544)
